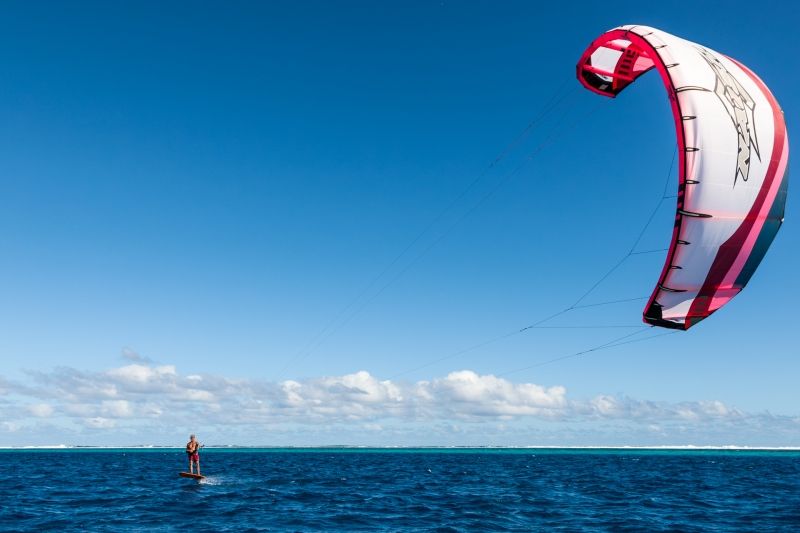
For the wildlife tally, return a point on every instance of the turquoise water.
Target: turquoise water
(401, 489)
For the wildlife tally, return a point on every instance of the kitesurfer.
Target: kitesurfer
(193, 451)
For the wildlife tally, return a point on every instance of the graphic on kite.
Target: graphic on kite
(723, 227)
(740, 107)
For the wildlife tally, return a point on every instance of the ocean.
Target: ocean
(389, 489)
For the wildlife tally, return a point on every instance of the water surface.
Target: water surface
(443, 490)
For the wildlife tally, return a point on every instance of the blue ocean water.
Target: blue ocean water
(442, 490)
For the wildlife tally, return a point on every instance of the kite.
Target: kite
(733, 153)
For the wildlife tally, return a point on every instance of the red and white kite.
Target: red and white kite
(733, 151)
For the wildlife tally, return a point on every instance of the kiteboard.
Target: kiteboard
(191, 476)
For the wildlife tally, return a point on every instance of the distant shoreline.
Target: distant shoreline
(406, 448)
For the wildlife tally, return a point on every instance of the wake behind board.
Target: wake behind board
(191, 476)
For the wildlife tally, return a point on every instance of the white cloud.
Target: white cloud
(464, 394)
(99, 423)
(41, 410)
(130, 355)
(8, 387)
(610, 407)
(136, 393)
(131, 382)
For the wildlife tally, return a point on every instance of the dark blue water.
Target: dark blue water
(407, 490)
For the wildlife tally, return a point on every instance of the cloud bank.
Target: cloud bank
(136, 396)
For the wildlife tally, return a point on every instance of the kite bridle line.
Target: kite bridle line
(541, 118)
(639, 238)
(547, 111)
(401, 403)
(537, 325)
(496, 339)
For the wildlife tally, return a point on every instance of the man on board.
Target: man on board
(193, 450)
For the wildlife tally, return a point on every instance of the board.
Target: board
(191, 476)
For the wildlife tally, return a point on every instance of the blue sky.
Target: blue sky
(203, 188)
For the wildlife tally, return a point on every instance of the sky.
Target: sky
(287, 224)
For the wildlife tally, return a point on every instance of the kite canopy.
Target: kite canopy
(733, 175)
